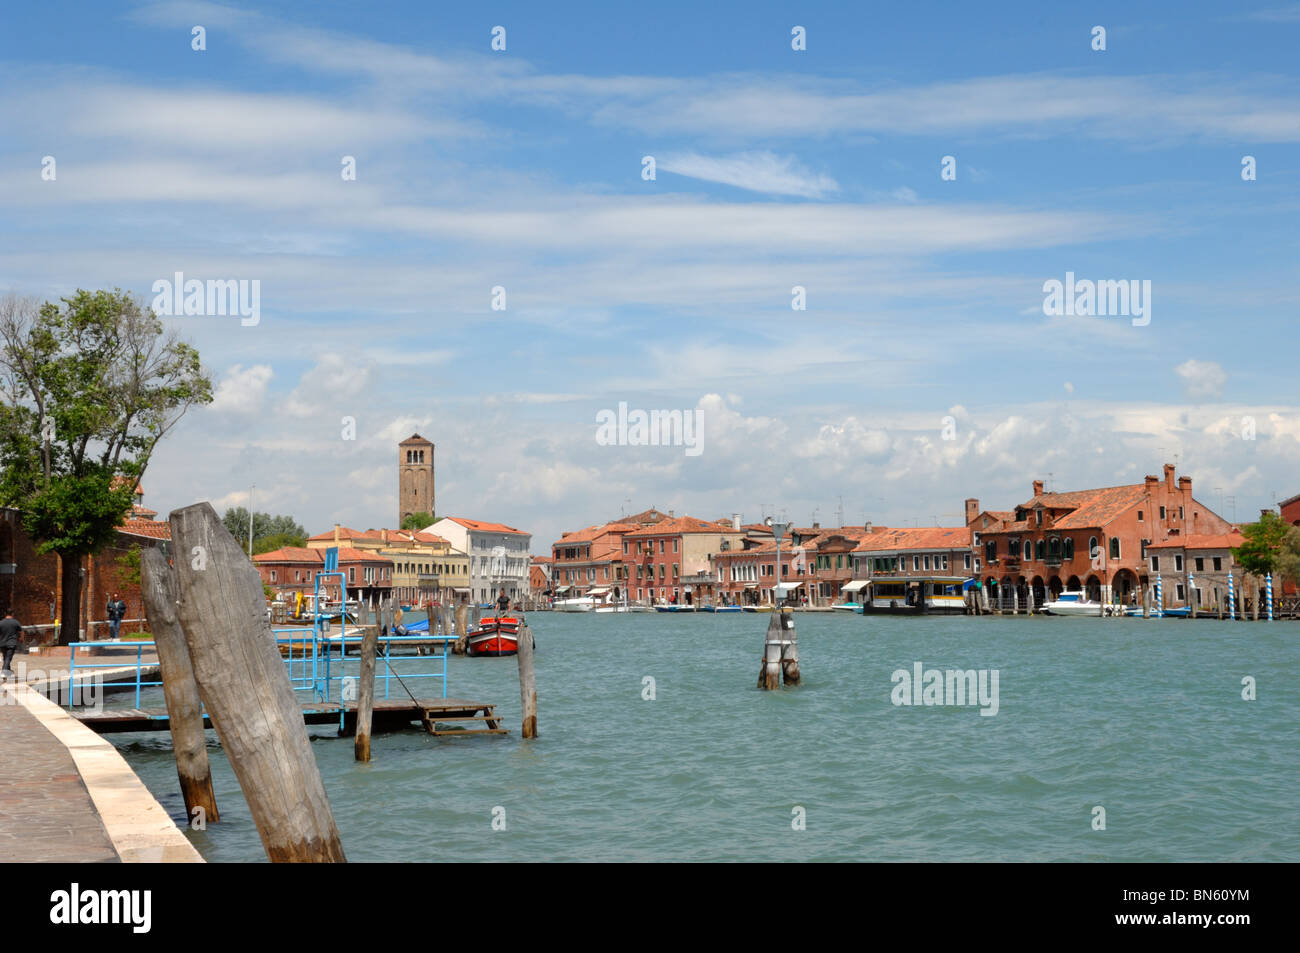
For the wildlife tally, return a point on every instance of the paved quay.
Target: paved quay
(67, 795)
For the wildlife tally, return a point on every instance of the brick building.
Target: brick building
(1090, 540)
(591, 561)
(292, 569)
(671, 560)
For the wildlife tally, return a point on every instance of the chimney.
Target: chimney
(1038, 488)
(336, 534)
(867, 527)
(1185, 484)
(671, 516)
(1169, 477)
(384, 534)
(817, 525)
(972, 510)
(735, 521)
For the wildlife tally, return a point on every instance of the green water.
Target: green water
(1143, 718)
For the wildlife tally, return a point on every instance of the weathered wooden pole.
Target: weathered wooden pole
(462, 629)
(769, 674)
(789, 651)
(366, 694)
(246, 687)
(527, 683)
(184, 706)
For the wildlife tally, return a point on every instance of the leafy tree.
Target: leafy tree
(418, 521)
(87, 389)
(128, 566)
(1288, 557)
(1258, 553)
(266, 527)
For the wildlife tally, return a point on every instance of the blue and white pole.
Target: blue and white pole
(1232, 599)
(1160, 602)
(1191, 589)
(1268, 594)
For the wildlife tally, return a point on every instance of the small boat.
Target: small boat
(848, 606)
(576, 604)
(1073, 603)
(1173, 612)
(916, 594)
(494, 636)
(726, 609)
(756, 608)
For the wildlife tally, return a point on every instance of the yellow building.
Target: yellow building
(425, 566)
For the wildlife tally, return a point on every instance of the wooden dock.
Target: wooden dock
(390, 714)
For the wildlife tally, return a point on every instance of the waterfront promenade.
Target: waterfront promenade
(68, 796)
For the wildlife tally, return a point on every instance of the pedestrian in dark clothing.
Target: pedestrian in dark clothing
(10, 630)
(116, 612)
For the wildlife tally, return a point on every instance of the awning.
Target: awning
(856, 585)
(561, 590)
(603, 591)
(751, 585)
(782, 587)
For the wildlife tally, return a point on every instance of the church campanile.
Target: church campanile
(414, 477)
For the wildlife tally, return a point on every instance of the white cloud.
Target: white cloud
(1202, 379)
(242, 390)
(755, 171)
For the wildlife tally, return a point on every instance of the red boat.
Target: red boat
(495, 635)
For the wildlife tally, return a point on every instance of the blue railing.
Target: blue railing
(139, 647)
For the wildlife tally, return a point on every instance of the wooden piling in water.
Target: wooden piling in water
(789, 651)
(184, 705)
(462, 629)
(243, 680)
(527, 683)
(366, 694)
(769, 674)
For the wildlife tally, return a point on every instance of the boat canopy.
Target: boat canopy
(857, 585)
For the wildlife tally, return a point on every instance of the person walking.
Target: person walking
(10, 631)
(116, 612)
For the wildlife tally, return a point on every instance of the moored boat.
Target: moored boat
(1073, 603)
(918, 594)
(494, 636)
(848, 606)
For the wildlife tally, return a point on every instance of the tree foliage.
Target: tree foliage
(88, 387)
(418, 521)
(269, 532)
(1258, 554)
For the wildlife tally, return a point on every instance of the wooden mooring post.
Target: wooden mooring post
(366, 694)
(184, 706)
(246, 686)
(527, 683)
(462, 629)
(780, 652)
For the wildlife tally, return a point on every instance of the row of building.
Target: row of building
(1109, 542)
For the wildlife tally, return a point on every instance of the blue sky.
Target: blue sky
(776, 168)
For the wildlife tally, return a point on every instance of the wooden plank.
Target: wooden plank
(527, 682)
(185, 717)
(246, 686)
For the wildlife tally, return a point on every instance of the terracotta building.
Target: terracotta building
(1090, 540)
(671, 560)
(292, 569)
(591, 562)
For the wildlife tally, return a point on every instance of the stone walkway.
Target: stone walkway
(46, 813)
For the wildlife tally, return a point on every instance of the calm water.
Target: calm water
(1143, 718)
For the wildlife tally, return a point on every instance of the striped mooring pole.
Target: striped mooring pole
(1232, 600)
(1268, 594)
(1160, 602)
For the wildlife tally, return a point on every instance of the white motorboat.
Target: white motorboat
(576, 604)
(1073, 603)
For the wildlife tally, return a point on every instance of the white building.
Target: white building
(499, 556)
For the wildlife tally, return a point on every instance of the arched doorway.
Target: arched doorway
(1040, 591)
(1093, 588)
(1055, 586)
(1073, 584)
(1124, 587)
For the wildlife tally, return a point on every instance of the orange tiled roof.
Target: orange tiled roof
(485, 527)
(923, 537)
(156, 529)
(1088, 508)
(682, 524)
(651, 515)
(1201, 541)
(301, 554)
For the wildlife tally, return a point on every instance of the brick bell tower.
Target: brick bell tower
(414, 477)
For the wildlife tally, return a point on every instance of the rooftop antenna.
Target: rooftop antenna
(1050, 480)
(839, 512)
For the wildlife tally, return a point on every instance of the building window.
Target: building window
(624, 547)
(1114, 547)
(1218, 563)
(1039, 515)
(977, 564)
(1039, 549)
(674, 545)
(1162, 512)
(1029, 550)
(1178, 563)
(352, 574)
(1181, 597)
(927, 562)
(991, 550)
(1093, 551)
(1139, 516)
(1155, 563)
(945, 560)
(273, 575)
(1200, 564)
(1180, 512)
(916, 563)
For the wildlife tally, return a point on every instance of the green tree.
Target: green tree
(1258, 553)
(284, 529)
(418, 521)
(88, 388)
(1288, 557)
